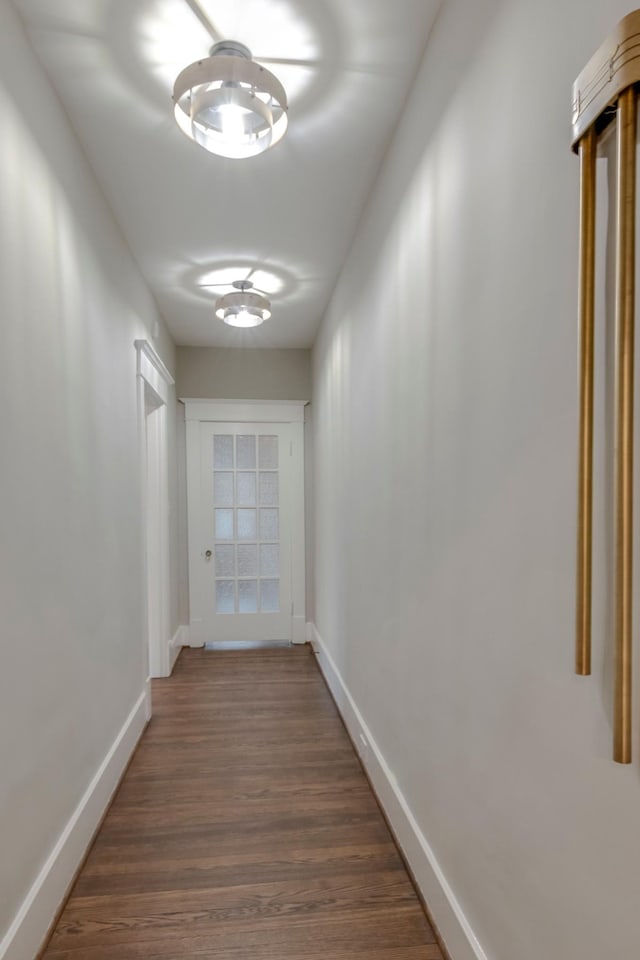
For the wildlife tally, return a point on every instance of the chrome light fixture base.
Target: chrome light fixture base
(243, 309)
(229, 104)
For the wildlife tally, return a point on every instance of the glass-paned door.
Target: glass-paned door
(247, 527)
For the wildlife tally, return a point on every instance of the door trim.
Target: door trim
(154, 383)
(248, 411)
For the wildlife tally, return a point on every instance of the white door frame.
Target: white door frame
(246, 411)
(154, 381)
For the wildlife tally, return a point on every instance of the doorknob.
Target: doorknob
(208, 554)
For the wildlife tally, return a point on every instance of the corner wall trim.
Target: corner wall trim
(26, 935)
(447, 913)
(180, 639)
(300, 634)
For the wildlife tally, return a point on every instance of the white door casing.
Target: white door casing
(245, 490)
(154, 381)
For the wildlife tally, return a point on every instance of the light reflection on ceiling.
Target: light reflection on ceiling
(171, 37)
(288, 216)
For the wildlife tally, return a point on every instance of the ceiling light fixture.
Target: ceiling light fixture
(243, 309)
(229, 104)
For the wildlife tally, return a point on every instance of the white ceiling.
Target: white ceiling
(191, 218)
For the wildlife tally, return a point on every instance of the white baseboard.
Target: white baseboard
(31, 925)
(453, 926)
(180, 640)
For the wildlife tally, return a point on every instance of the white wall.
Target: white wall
(71, 305)
(218, 373)
(445, 474)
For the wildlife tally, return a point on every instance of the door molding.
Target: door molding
(154, 383)
(199, 411)
(152, 369)
(248, 411)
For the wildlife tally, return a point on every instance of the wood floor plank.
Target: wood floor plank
(205, 949)
(244, 828)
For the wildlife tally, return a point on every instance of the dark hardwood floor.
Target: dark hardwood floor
(244, 829)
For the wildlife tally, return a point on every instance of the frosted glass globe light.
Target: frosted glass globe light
(243, 319)
(229, 104)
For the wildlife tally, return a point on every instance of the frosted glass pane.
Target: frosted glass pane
(223, 489)
(269, 525)
(247, 560)
(247, 524)
(225, 596)
(224, 524)
(247, 596)
(223, 452)
(270, 560)
(246, 453)
(268, 447)
(246, 491)
(270, 596)
(268, 489)
(225, 561)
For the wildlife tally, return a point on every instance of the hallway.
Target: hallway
(244, 827)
